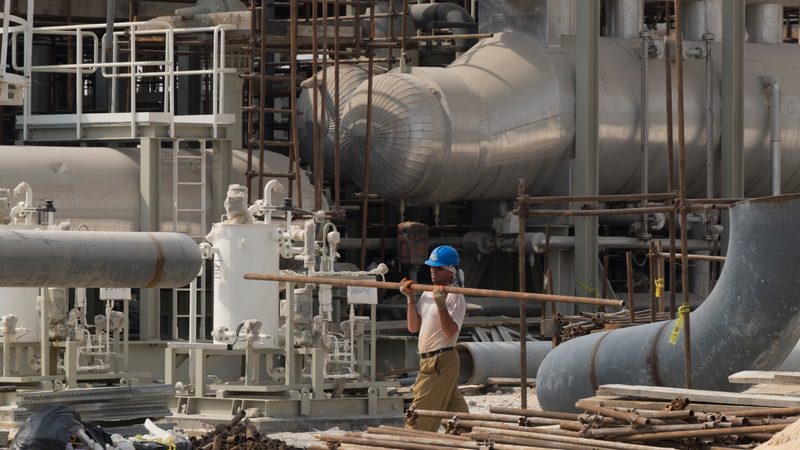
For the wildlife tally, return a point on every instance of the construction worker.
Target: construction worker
(437, 316)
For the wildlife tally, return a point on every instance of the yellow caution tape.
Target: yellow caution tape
(676, 330)
(659, 287)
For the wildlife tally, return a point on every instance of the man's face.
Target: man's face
(441, 276)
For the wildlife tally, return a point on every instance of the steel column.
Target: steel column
(585, 180)
(149, 221)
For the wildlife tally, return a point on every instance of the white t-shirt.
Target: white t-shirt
(431, 335)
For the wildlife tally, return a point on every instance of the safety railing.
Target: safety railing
(131, 69)
(12, 23)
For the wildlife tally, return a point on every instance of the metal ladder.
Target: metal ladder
(188, 188)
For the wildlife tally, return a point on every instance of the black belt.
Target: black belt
(435, 352)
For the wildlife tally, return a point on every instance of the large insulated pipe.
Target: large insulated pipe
(445, 15)
(350, 77)
(482, 360)
(505, 110)
(33, 258)
(624, 18)
(750, 321)
(764, 23)
(701, 17)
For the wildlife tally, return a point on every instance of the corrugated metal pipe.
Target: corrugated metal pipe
(33, 258)
(750, 321)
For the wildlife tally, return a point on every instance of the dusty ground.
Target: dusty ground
(477, 404)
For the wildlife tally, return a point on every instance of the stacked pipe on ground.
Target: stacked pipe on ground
(627, 425)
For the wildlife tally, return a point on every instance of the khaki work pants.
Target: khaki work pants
(436, 388)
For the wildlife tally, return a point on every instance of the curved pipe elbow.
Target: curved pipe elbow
(735, 329)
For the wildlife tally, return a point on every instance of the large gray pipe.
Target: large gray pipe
(445, 15)
(350, 77)
(505, 110)
(482, 360)
(32, 258)
(750, 321)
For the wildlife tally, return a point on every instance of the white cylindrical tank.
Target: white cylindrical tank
(238, 249)
(22, 303)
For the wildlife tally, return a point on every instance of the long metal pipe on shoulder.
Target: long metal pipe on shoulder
(33, 258)
(735, 329)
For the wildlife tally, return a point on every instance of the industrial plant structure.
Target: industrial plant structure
(159, 157)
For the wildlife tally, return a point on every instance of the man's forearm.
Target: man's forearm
(412, 316)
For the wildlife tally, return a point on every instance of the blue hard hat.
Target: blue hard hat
(444, 255)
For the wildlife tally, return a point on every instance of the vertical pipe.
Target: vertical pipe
(708, 37)
(732, 107)
(687, 346)
(775, 133)
(631, 302)
(193, 311)
(586, 130)
(523, 325)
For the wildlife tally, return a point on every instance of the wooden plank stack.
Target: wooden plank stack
(620, 417)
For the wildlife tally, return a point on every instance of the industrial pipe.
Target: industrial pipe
(32, 258)
(479, 361)
(524, 127)
(735, 329)
(775, 131)
(437, 15)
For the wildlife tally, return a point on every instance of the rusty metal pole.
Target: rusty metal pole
(670, 167)
(660, 274)
(369, 140)
(687, 343)
(474, 292)
(250, 100)
(604, 286)
(262, 95)
(651, 256)
(631, 303)
(319, 173)
(546, 267)
(293, 81)
(523, 325)
(337, 122)
(316, 92)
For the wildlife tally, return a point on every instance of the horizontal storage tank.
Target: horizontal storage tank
(97, 188)
(505, 110)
